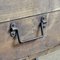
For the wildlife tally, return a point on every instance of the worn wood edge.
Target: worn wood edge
(24, 14)
(50, 50)
(36, 55)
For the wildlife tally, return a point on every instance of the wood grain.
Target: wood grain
(11, 50)
(10, 10)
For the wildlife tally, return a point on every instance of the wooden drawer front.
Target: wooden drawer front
(10, 49)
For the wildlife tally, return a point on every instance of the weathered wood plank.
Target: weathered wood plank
(11, 50)
(16, 9)
(53, 29)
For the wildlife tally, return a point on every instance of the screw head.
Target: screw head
(13, 34)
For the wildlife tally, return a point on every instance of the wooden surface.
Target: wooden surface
(51, 56)
(17, 9)
(12, 50)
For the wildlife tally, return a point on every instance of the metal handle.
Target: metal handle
(42, 25)
(14, 31)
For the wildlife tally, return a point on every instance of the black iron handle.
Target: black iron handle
(14, 31)
(42, 25)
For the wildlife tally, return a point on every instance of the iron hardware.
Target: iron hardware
(42, 25)
(14, 31)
